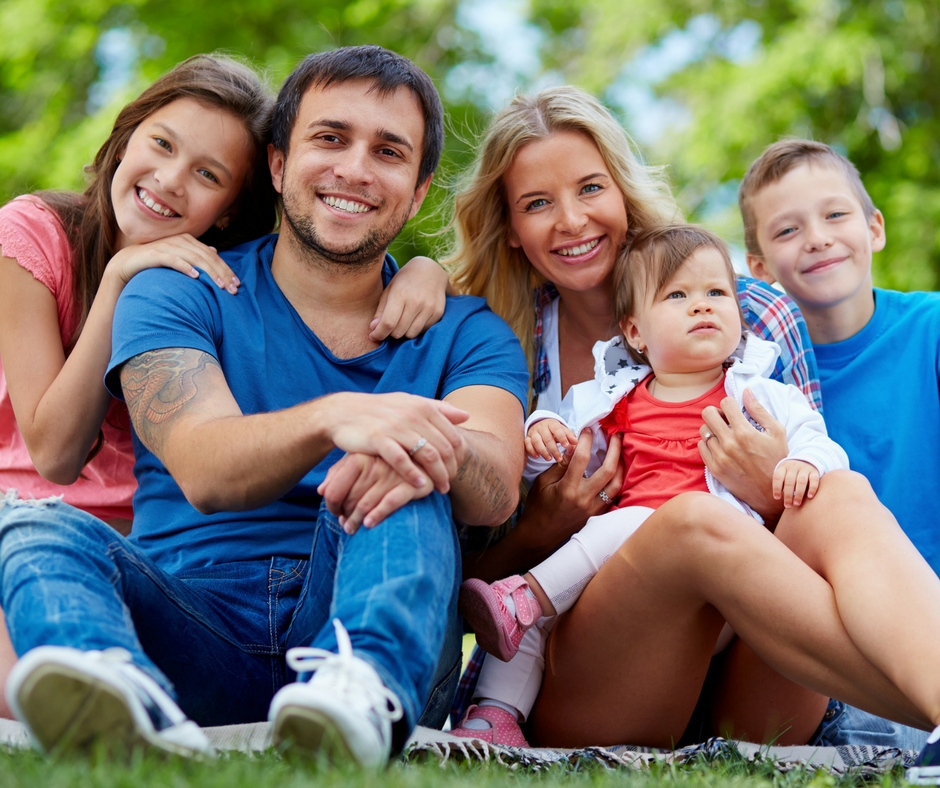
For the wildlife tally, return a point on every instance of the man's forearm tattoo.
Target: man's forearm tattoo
(158, 385)
(484, 480)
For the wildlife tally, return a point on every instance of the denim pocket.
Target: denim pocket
(846, 725)
(240, 594)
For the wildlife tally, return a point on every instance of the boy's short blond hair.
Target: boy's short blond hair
(779, 159)
(652, 259)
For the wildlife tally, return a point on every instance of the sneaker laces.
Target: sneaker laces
(350, 677)
(161, 709)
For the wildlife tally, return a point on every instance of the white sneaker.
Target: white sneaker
(71, 700)
(344, 712)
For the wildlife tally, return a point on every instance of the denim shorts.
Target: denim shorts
(846, 725)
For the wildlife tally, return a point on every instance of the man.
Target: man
(239, 411)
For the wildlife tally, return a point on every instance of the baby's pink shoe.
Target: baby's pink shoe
(498, 631)
(504, 728)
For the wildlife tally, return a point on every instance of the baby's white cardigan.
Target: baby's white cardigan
(616, 374)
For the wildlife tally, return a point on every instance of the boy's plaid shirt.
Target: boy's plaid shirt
(774, 316)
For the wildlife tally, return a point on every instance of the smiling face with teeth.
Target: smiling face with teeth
(566, 212)
(349, 176)
(181, 171)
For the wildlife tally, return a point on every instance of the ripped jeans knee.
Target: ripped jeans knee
(11, 498)
(37, 523)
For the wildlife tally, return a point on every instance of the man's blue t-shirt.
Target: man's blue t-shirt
(271, 361)
(882, 393)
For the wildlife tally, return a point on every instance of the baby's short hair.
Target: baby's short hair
(653, 258)
(779, 159)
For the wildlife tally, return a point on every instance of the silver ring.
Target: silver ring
(604, 497)
(418, 446)
(706, 436)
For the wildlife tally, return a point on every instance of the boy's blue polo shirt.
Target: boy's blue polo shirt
(271, 361)
(882, 393)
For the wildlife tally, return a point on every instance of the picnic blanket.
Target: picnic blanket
(427, 743)
(861, 760)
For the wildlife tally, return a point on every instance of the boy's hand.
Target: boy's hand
(793, 480)
(544, 437)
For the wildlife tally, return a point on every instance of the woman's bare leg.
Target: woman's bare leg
(748, 700)
(887, 595)
(638, 676)
(627, 662)
(875, 568)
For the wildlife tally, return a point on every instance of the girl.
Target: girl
(185, 160)
(681, 351)
(183, 173)
(820, 599)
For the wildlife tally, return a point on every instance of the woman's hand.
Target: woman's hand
(559, 504)
(743, 458)
(182, 253)
(413, 300)
(562, 499)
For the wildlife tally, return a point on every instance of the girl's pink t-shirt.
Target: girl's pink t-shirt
(31, 233)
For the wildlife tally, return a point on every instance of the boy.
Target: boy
(810, 225)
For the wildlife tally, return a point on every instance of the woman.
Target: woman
(819, 604)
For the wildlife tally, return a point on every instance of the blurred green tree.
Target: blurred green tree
(707, 85)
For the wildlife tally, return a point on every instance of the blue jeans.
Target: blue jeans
(843, 724)
(215, 637)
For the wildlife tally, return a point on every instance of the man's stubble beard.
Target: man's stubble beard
(371, 247)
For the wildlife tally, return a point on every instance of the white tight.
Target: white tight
(563, 576)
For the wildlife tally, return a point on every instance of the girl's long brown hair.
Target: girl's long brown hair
(217, 82)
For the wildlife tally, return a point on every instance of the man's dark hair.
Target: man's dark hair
(388, 70)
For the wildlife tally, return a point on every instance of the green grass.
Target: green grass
(26, 769)
(29, 769)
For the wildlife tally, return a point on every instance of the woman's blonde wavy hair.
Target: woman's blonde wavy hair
(482, 262)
